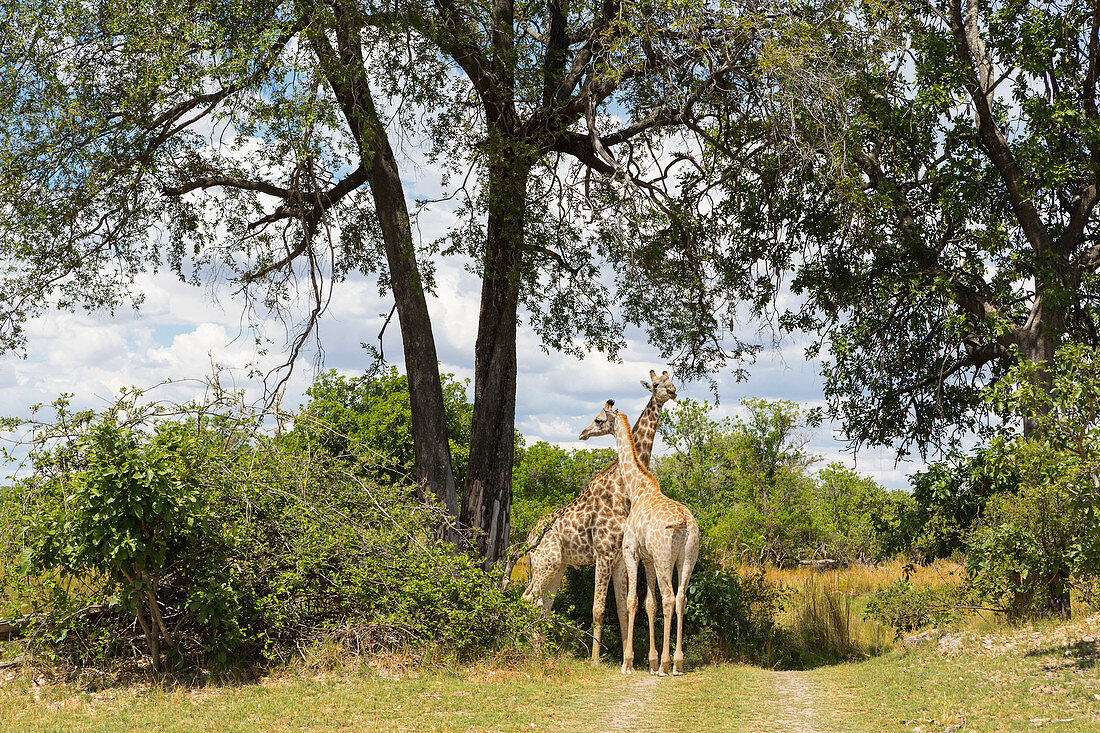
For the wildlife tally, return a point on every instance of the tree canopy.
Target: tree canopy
(251, 142)
(918, 187)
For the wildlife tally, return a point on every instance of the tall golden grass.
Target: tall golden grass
(863, 579)
(823, 613)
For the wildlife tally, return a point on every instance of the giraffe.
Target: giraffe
(589, 530)
(660, 532)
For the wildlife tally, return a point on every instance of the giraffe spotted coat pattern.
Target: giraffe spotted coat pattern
(589, 530)
(660, 532)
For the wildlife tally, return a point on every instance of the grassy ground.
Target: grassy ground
(1006, 680)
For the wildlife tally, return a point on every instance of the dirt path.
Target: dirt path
(632, 705)
(738, 699)
(796, 708)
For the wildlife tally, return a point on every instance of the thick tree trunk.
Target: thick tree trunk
(1058, 596)
(487, 500)
(345, 70)
(429, 422)
(1038, 340)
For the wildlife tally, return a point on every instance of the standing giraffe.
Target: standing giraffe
(589, 530)
(660, 532)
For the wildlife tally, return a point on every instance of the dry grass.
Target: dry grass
(865, 579)
(824, 608)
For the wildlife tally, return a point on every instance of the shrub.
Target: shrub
(904, 606)
(731, 617)
(245, 544)
(1022, 554)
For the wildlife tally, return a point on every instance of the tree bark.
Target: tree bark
(1038, 339)
(345, 71)
(487, 500)
(429, 421)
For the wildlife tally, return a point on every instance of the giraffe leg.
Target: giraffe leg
(681, 605)
(651, 611)
(599, 600)
(631, 608)
(547, 585)
(668, 601)
(618, 582)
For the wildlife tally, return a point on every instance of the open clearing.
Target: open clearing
(1045, 678)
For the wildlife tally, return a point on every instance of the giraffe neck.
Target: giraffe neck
(645, 430)
(635, 474)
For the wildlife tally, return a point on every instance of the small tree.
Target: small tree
(1038, 539)
(132, 514)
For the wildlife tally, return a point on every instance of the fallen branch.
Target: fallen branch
(12, 628)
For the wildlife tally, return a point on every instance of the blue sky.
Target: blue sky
(182, 330)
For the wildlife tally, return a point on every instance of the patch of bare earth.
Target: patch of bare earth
(632, 705)
(797, 710)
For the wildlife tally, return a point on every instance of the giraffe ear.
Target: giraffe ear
(647, 385)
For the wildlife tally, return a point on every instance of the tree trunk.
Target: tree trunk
(1058, 597)
(487, 500)
(1039, 338)
(429, 421)
(349, 82)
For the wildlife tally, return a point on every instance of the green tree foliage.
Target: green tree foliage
(748, 482)
(859, 520)
(358, 416)
(241, 544)
(253, 140)
(1037, 541)
(547, 477)
(929, 172)
(130, 509)
(952, 496)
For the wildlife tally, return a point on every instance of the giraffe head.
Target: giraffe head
(605, 422)
(661, 387)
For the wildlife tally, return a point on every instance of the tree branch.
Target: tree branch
(978, 80)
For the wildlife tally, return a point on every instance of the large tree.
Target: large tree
(922, 194)
(253, 139)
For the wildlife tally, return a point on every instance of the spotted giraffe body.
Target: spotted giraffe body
(589, 530)
(661, 533)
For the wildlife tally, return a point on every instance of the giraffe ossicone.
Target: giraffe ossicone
(589, 530)
(661, 533)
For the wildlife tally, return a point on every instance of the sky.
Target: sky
(181, 331)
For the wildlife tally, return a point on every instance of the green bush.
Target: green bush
(1022, 554)
(731, 617)
(1039, 540)
(904, 606)
(249, 544)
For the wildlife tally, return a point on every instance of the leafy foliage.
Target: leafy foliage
(250, 543)
(905, 606)
(353, 418)
(952, 496)
(731, 617)
(748, 482)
